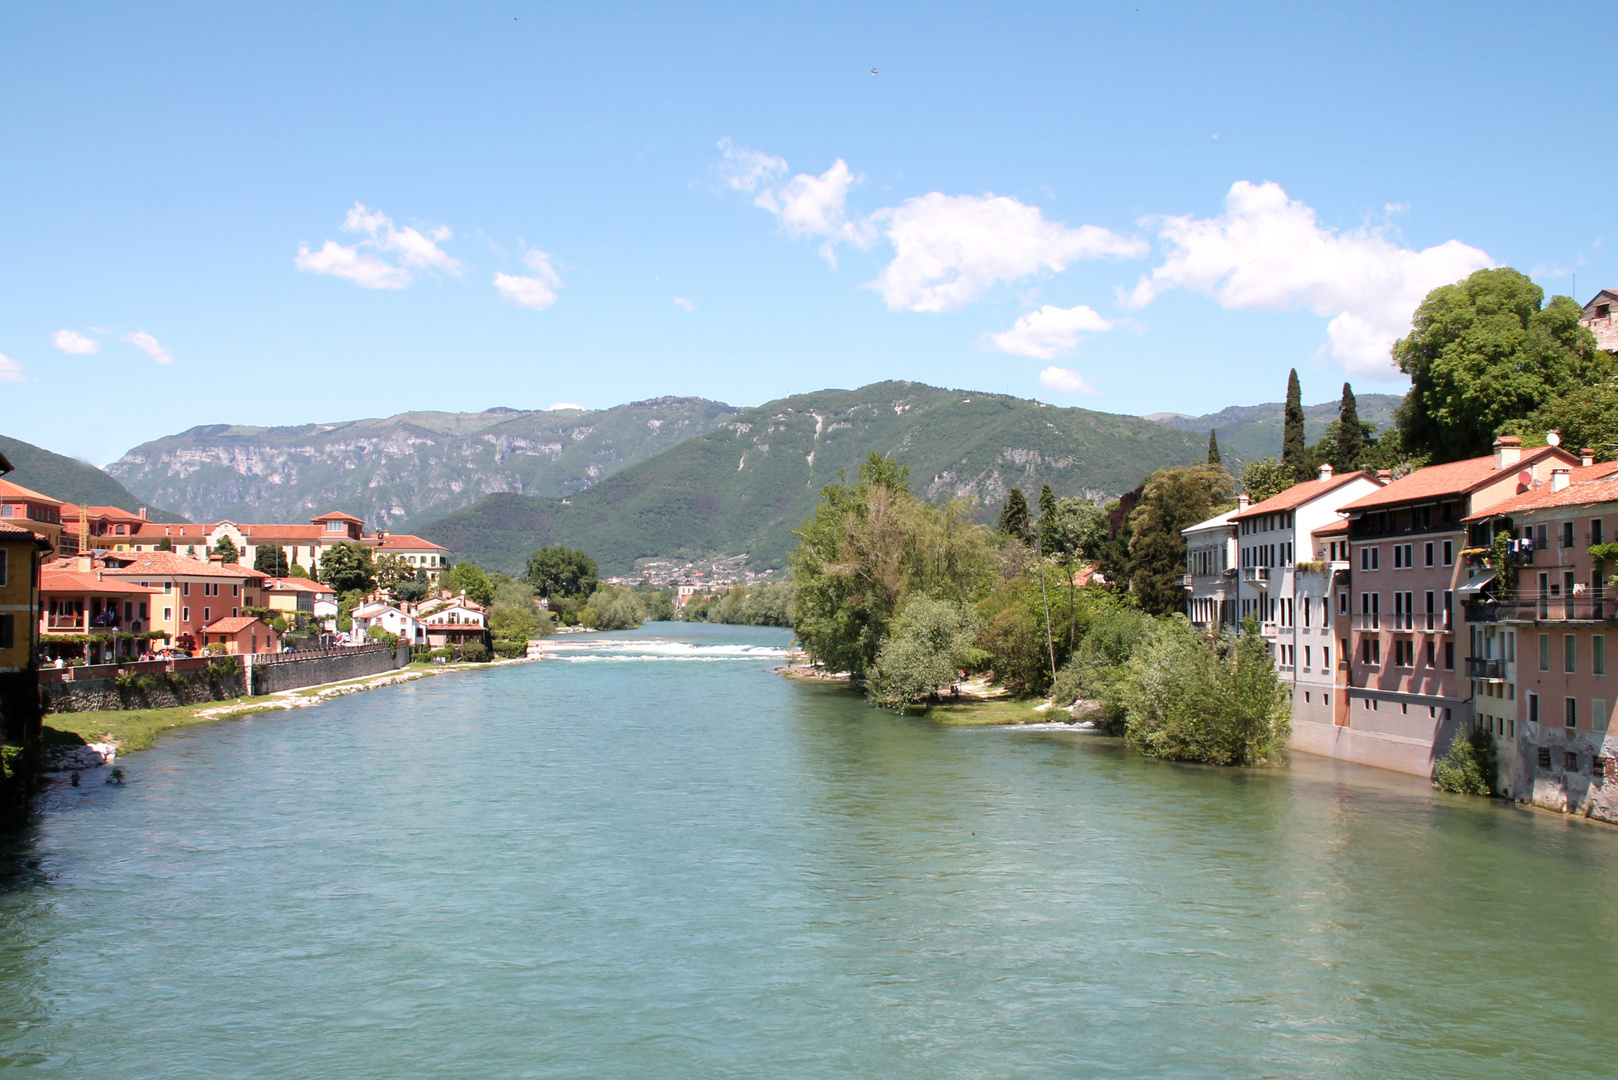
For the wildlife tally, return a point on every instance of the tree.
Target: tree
(471, 579)
(1173, 499)
(1213, 447)
(1264, 478)
(1292, 444)
(270, 559)
(1050, 526)
(1350, 436)
(561, 571)
(165, 544)
(296, 571)
(930, 640)
(612, 608)
(1586, 416)
(346, 566)
(226, 550)
(391, 572)
(1014, 517)
(1484, 352)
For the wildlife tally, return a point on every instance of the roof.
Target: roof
(1598, 296)
(1298, 494)
(17, 532)
(112, 513)
(1212, 523)
(1333, 529)
(338, 515)
(17, 491)
(235, 624)
(1453, 478)
(300, 583)
(403, 540)
(54, 579)
(1588, 492)
(167, 563)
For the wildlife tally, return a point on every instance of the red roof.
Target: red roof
(168, 564)
(17, 532)
(235, 624)
(403, 540)
(338, 515)
(54, 578)
(1453, 478)
(305, 584)
(1298, 494)
(1586, 487)
(110, 513)
(17, 491)
(1331, 530)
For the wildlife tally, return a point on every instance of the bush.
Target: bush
(1472, 765)
(376, 633)
(930, 640)
(1097, 666)
(612, 608)
(445, 655)
(220, 669)
(475, 651)
(421, 653)
(511, 649)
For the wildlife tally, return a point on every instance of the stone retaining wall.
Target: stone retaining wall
(294, 674)
(170, 690)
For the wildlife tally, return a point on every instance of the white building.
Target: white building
(1285, 581)
(1210, 570)
(407, 628)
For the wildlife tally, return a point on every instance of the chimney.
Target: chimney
(84, 564)
(1241, 501)
(1384, 474)
(143, 513)
(1325, 472)
(1587, 457)
(1558, 479)
(1507, 451)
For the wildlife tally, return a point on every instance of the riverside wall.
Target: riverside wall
(293, 672)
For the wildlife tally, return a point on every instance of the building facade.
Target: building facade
(1210, 570)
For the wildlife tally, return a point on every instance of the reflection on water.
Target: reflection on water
(650, 857)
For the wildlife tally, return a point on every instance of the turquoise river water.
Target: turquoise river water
(650, 857)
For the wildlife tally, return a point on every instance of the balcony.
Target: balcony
(1541, 608)
(1256, 575)
(1187, 581)
(1485, 669)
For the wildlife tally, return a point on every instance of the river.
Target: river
(650, 857)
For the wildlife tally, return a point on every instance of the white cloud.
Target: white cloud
(951, 249)
(1066, 381)
(1267, 252)
(748, 170)
(565, 405)
(805, 205)
(147, 344)
(1049, 332)
(364, 264)
(683, 302)
(10, 370)
(70, 341)
(537, 292)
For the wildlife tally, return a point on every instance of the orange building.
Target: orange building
(84, 613)
(40, 513)
(188, 595)
(241, 634)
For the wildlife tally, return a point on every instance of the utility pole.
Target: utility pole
(1050, 643)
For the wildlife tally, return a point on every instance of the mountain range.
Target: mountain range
(63, 478)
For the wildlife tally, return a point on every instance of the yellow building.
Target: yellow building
(22, 550)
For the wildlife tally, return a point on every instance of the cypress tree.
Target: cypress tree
(1050, 532)
(1350, 436)
(1014, 518)
(1292, 447)
(1213, 447)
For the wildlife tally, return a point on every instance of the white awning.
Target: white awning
(1476, 585)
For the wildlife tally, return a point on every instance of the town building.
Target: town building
(188, 594)
(1286, 580)
(301, 545)
(293, 595)
(452, 620)
(403, 625)
(86, 615)
(1406, 686)
(39, 513)
(21, 552)
(1540, 619)
(1598, 316)
(1210, 570)
(241, 635)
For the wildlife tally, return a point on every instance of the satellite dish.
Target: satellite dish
(1553, 439)
(1525, 478)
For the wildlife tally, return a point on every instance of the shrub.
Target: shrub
(421, 653)
(511, 649)
(612, 608)
(221, 669)
(930, 639)
(147, 683)
(1472, 765)
(475, 651)
(376, 633)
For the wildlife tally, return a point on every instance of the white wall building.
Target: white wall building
(1210, 570)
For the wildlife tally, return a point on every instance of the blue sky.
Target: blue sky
(1131, 207)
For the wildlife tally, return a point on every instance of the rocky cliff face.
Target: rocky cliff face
(404, 471)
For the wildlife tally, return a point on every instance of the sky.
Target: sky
(289, 214)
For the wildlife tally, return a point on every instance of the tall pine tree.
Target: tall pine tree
(1213, 448)
(1292, 446)
(1014, 518)
(1350, 436)
(1050, 529)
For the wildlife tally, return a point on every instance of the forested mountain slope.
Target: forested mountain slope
(72, 481)
(404, 470)
(1249, 432)
(745, 486)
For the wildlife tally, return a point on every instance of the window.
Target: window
(1371, 652)
(185, 614)
(1595, 531)
(168, 587)
(1567, 534)
(1404, 653)
(1511, 646)
(1369, 558)
(1598, 714)
(8, 630)
(143, 609)
(1598, 654)
(1403, 554)
(168, 614)
(207, 615)
(1542, 540)
(1570, 653)
(1570, 712)
(1544, 757)
(1325, 656)
(1570, 761)
(1427, 553)
(1306, 656)
(4, 570)
(6, 510)
(1432, 654)
(1342, 603)
(1449, 656)
(334, 526)
(1544, 652)
(185, 588)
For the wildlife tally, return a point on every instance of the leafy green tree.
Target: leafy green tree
(561, 571)
(346, 566)
(413, 591)
(1351, 436)
(1014, 517)
(1264, 478)
(1173, 499)
(270, 559)
(612, 608)
(165, 544)
(1213, 447)
(1472, 765)
(471, 579)
(1484, 352)
(227, 550)
(931, 639)
(868, 547)
(1585, 416)
(1292, 444)
(391, 572)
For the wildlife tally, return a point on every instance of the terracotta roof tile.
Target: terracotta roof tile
(1453, 478)
(235, 624)
(17, 491)
(1587, 492)
(167, 563)
(17, 532)
(1298, 494)
(403, 540)
(56, 579)
(304, 584)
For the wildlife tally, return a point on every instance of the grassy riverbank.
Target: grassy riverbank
(994, 711)
(138, 729)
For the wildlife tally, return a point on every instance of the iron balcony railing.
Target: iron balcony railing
(1256, 573)
(1543, 608)
(1486, 669)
